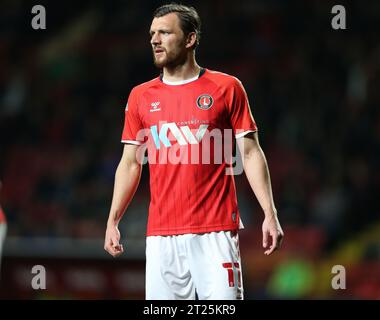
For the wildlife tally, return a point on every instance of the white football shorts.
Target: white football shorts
(183, 267)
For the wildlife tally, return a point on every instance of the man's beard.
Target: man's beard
(170, 61)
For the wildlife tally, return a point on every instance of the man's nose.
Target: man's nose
(155, 39)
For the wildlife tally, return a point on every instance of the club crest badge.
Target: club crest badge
(205, 101)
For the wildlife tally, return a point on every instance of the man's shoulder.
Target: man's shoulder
(141, 88)
(222, 78)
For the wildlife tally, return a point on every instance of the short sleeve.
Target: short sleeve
(132, 122)
(239, 111)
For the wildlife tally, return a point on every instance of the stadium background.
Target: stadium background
(314, 92)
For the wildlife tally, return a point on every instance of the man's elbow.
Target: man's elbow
(251, 152)
(134, 166)
(127, 165)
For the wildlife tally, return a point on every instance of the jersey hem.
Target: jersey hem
(137, 143)
(242, 134)
(194, 230)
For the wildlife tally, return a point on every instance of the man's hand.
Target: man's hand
(272, 228)
(111, 242)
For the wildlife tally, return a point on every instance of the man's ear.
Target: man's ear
(191, 39)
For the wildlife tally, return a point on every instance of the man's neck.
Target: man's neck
(188, 70)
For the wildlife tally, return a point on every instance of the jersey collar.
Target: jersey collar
(176, 83)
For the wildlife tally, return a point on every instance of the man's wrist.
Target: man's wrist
(113, 222)
(270, 213)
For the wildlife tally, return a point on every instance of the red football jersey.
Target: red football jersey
(189, 130)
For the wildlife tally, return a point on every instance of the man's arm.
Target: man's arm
(257, 172)
(127, 178)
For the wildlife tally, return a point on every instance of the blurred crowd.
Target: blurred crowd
(314, 93)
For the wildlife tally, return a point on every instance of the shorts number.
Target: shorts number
(231, 267)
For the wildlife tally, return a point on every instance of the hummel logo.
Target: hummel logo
(155, 107)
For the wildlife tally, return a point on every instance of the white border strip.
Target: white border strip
(137, 143)
(242, 134)
(177, 83)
